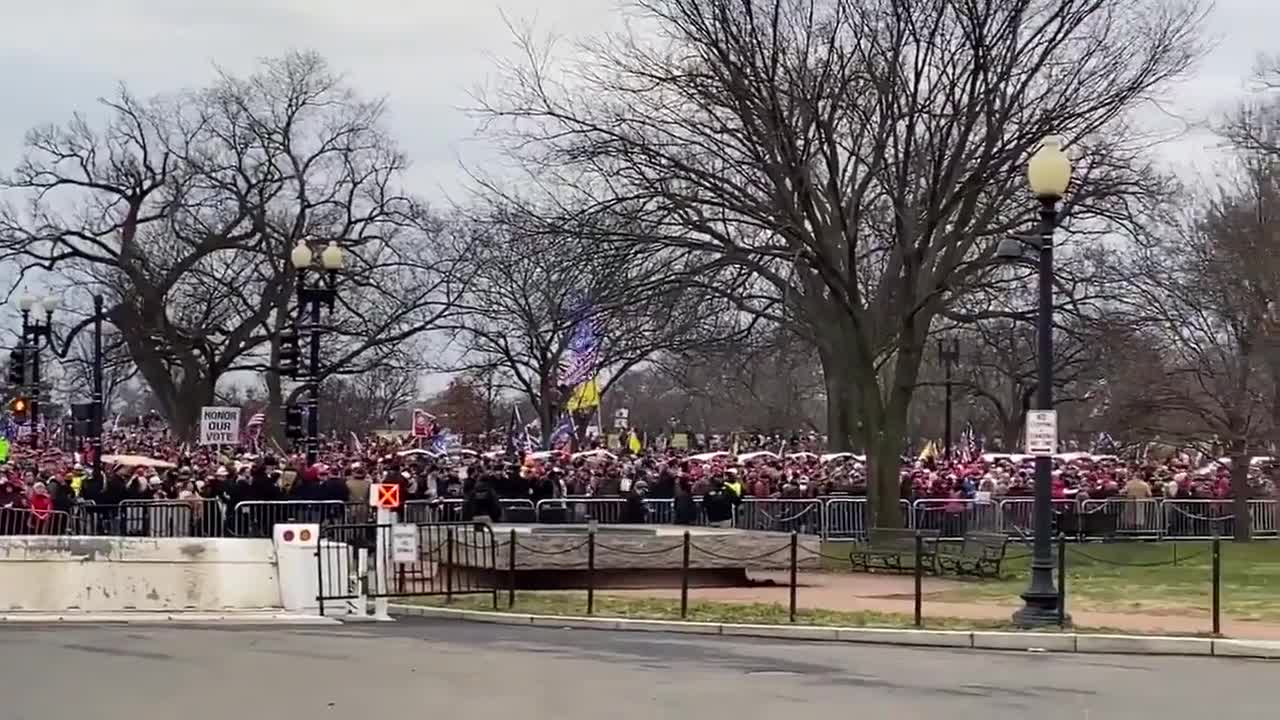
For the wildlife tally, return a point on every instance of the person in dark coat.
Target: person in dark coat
(482, 501)
(718, 504)
(686, 508)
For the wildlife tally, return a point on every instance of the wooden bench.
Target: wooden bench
(980, 555)
(886, 549)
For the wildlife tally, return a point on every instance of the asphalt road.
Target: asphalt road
(440, 669)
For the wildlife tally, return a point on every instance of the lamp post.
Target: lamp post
(311, 296)
(1048, 175)
(96, 420)
(34, 333)
(948, 355)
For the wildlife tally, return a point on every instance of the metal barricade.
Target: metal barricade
(1017, 516)
(451, 559)
(606, 511)
(1265, 518)
(953, 517)
(429, 511)
(253, 518)
(195, 517)
(661, 511)
(1121, 517)
(846, 518)
(514, 510)
(781, 515)
(1199, 519)
(22, 521)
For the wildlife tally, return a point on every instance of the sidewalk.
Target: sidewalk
(895, 594)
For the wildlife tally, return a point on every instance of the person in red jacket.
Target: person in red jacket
(41, 509)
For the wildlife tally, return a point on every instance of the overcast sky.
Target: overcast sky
(57, 56)
(424, 56)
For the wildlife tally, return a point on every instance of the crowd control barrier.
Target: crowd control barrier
(835, 517)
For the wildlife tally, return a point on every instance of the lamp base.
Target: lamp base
(1039, 611)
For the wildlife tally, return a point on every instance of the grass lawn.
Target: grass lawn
(1144, 578)
(575, 604)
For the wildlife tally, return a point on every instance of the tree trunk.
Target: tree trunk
(1010, 434)
(185, 408)
(884, 458)
(1240, 497)
(841, 425)
(275, 407)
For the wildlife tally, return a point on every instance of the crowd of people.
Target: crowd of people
(142, 464)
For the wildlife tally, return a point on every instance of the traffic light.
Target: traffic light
(17, 367)
(289, 353)
(293, 422)
(18, 408)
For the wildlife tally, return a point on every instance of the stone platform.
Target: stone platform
(557, 556)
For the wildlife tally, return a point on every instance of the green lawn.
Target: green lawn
(1161, 577)
(575, 604)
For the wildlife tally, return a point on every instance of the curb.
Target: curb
(978, 640)
(167, 618)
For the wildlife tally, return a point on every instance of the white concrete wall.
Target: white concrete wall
(104, 574)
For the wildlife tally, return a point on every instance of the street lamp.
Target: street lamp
(1048, 176)
(311, 297)
(948, 355)
(34, 333)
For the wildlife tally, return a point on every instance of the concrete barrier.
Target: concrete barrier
(108, 574)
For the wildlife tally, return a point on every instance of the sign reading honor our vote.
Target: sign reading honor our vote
(219, 426)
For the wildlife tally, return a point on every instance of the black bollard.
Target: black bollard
(511, 572)
(919, 578)
(684, 579)
(794, 563)
(591, 572)
(1217, 583)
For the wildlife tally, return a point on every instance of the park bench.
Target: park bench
(886, 548)
(980, 554)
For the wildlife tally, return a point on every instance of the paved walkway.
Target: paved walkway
(894, 594)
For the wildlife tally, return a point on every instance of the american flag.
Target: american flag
(254, 428)
(563, 434)
(583, 352)
(443, 441)
(970, 447)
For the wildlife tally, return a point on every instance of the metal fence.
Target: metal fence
(257, 518)
(150, 518)
(837, 517)
(802, 516)
(18, 521)
(450, 559)
(452, 510)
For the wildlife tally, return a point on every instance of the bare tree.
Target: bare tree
(363, 402)
(854, 160)
(532, 283)
(1209, 303)
(117, 367)
(182, 211)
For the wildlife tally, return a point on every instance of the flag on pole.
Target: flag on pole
(443, 441)
(585, 397)
(582, 354)
(563, 434)
(253, 429)
(525, 440)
